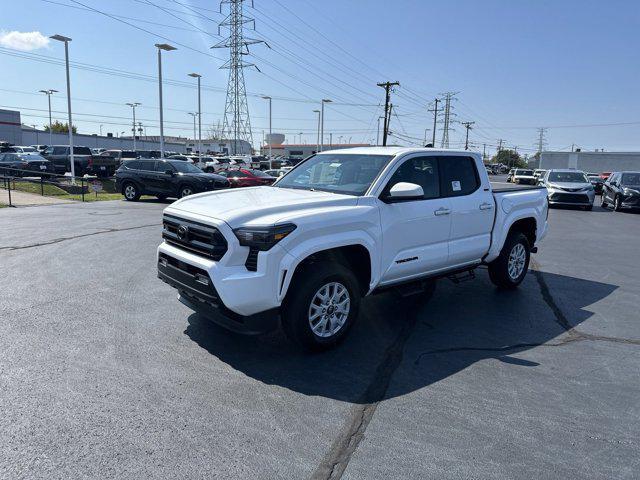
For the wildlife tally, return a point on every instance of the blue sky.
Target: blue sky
(516, 64)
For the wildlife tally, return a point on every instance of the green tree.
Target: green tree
(510, 158)
(59, 127)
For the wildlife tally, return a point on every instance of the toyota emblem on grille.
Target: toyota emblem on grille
(183, 232)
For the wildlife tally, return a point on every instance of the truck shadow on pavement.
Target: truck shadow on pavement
(469, 322)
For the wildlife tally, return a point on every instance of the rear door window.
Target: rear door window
(147, 166)
(458, 176)
(60, 150)
(133, 165)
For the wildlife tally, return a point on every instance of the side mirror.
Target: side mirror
(404, 191)
(168, 171)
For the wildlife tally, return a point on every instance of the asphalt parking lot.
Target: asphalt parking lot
(103, 374)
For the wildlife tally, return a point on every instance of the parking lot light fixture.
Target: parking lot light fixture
(267, 97)
(167, 48)
(133, 107)
(48, 93)
(66, 41)
(198, 76)
(318, 133)
(324, 100)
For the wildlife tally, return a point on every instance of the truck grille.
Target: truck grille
(194, 237)
(189, 280)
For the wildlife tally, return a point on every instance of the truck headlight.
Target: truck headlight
(263, 238)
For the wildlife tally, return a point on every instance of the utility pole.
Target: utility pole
(388, 86)
(484, 152)
(467, 126)
(500, 141)
(435, 119)
(133, 107)
(541, 140)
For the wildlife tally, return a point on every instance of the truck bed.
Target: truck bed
(501, 187)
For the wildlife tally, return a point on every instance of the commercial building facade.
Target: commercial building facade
(591, 161)
(303, 150)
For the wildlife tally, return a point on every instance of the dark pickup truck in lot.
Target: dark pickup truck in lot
(59, 155)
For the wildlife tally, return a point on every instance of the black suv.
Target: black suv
(621, 190)
(164, 178)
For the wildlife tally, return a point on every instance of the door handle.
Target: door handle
(442, 211)
(486, 206)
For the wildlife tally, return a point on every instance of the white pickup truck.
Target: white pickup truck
(342, 225)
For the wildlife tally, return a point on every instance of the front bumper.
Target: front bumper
(196, 291)
(559, 197)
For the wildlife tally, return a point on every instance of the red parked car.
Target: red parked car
(247, 178)
(605, 175)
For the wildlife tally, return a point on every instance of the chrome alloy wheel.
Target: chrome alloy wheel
(517, 259)
(185, 192)
(130, 191)
(329, 309)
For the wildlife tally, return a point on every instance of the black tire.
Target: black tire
(603, 201)
(617, 203)
(185, 191)
(588, 208)
(499, 268)
(161, 197)
(306, 284)
(131, 192)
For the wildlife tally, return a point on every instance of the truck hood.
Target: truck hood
(258, 205)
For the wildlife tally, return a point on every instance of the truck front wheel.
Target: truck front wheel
(321, 305)
(509, 269)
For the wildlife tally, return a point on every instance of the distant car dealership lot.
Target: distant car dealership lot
(105, 374)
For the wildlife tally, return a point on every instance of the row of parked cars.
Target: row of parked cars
(103, 163)
(573, 187)
(175, 178)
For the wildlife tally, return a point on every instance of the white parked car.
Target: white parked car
(24, 149)
(569, 187)
(213, 164)
(523, 176)
(340, 226)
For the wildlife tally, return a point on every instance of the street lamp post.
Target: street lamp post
(324, 100)
(198, 76)
(378, 134)
(266, 97)
(48, 93)
(318, 137)
(66, 41)
(194, 115)
(133, 107)
(425, 137)
(167, 48)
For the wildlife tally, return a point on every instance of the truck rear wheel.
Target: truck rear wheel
(509, 269)
(321, 305)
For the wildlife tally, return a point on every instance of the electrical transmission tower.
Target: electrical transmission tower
(542, 141)
(446, 128)
(237, 124)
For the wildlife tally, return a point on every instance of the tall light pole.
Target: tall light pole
(194, 115)
(267, 97)
(66, 41)
(198, 76)
(318, 138)
(324, 100)
(48, 93)
(100, 130)
(167, 48)
(133, 107)
(301, 138)
(425, 137)
(378, 134)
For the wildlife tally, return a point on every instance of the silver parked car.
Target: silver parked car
(568, 187)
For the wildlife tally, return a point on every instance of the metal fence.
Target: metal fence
(11, 180)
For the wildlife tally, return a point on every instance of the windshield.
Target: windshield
(126, 154)
(260, 173)
(32, 157)
(334, 172)
(524, 172)
(185, 167)
(630, 179)
(568, 177)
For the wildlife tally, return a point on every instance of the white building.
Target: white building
(591, 161)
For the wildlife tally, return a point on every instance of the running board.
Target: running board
(410, 289)
(462, 277)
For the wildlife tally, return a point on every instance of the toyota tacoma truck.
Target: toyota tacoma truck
(302, 253)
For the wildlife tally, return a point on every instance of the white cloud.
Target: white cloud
(25, 41)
